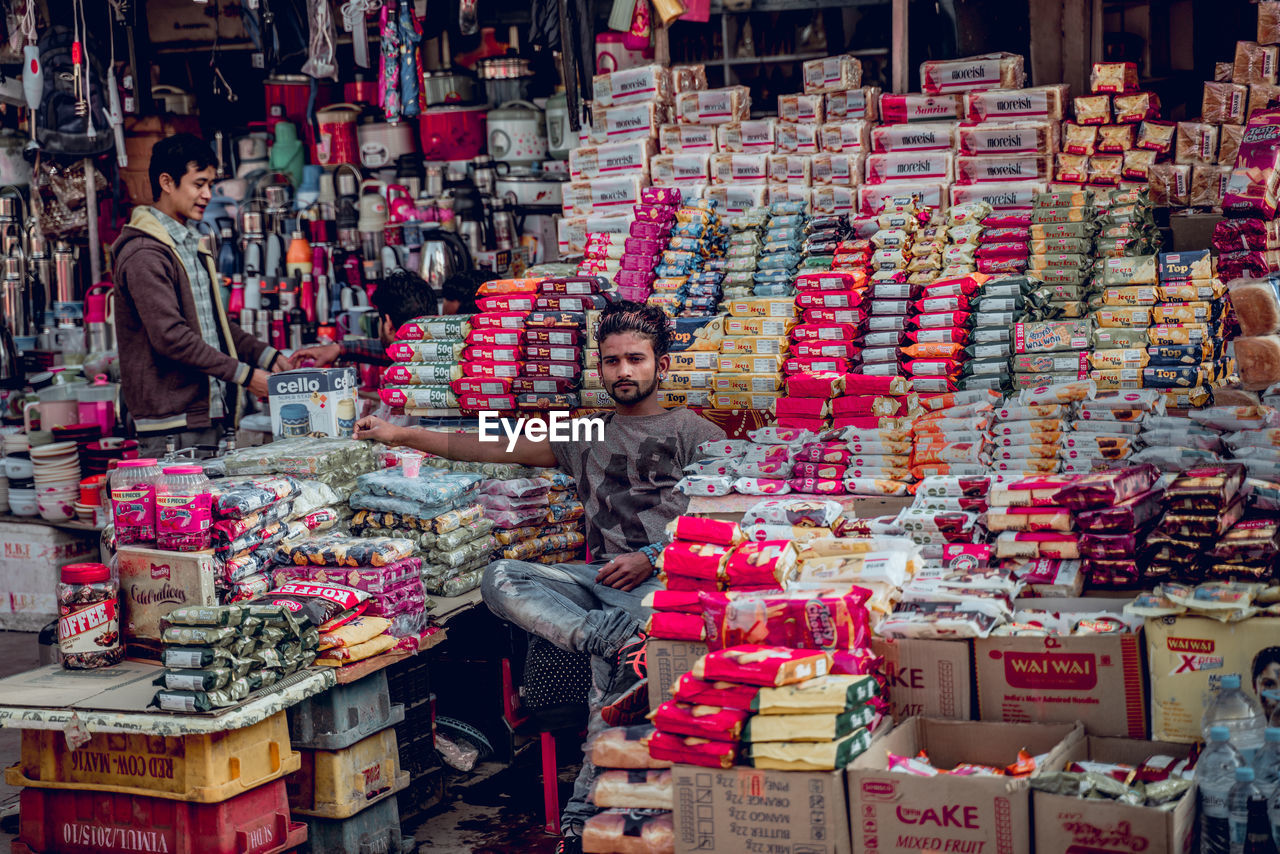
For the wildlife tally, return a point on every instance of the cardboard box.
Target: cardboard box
(31, 555)
(313, 400)
(154, 582)
(1067, 825)
(667, 661)
(1188, 656)
(748, 809)
(932, 678)
(979, 815)
(1095, 680)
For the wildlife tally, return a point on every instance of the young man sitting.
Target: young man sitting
(627, 486)
(400, 297)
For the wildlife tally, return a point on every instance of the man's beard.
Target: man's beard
(634, 394)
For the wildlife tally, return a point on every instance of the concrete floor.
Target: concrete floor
(493, 810)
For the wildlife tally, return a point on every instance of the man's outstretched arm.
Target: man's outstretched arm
(457, 446)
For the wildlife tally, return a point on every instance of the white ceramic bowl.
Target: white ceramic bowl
(18, 468)
(22, 502)
(55, 510)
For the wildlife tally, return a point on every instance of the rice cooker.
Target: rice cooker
(527, 189)
(517, 134)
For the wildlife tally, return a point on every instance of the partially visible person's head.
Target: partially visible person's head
(182, 175)
(1266, 676)
(633, 340)
(399, 298)
(458, 293)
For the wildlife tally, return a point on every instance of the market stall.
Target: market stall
(991, 531)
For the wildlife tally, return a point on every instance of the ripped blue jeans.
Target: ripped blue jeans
(563, 604)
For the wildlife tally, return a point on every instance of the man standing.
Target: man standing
(627, 485)
(182, 360)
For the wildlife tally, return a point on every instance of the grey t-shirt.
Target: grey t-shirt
(627, 482)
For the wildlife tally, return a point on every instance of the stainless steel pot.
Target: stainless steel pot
(531, 190)
(505, 78)
(451, 87)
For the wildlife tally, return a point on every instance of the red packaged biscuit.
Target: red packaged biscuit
(801, 407)
(1128, 515)
(496, 337)
(726, 695)
(679, 627)
(507, 303)
(833, 280)
(816, 486)
(499, 320)
(794, 620)
(567, 370)
(493, 354)
(810, 424)
(827, 349)
(869, 405)
(693, 751)
(549, 353)
(1008, 219)
(695, 560)
(1120, 546)
(482, 385)
(674, 601)
(795, 365)
(543, 385)
(701, 530)
(765, 563)
(818, 470)
(822, 384)
(1108, 488)
(504, 370)
(709, 722)
(762, 665)
(847, 316)
(826, 332)
(561, 337)
(483, 403)
(829, 299)
(939, 320)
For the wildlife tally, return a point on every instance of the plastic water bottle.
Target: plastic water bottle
(1215, 775)
(1240, 714)
(1266, 763)
(1238, 807)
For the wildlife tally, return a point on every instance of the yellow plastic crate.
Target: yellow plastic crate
(341, 783)
(206, 768)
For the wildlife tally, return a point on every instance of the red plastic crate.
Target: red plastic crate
(53, 821)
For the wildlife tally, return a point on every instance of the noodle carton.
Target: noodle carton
(310, 401)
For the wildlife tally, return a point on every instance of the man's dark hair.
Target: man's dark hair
(402, 296)
(173, 155)
(644, 320)
(461, 288)
(1265, 657)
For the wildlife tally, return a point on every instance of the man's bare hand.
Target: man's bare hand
(282, 363)
(626, 572)
(376, 430)
(321, 355)
(258, 383)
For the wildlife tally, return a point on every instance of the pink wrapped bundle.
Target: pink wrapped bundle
(661, 196)
(757, 564)
(768, 666)
(866, 384)
(674, 601)
(833, 280)
(835, 453)
(972, 73)
(699, 721)
(802, 407)
(823, 385)
(824, 471)
(1108, 488)
(826, 332)
(695, 560)
(798, 621)
(726, 695)
(1003, 251)
(811, 424)
(680, 627)
(701, 530)
(705, 753)
(817, 486)
(1122, 546)
(895, 109)
(866, 405)
(815, 364)
(858, 662)
(829, 299)
(827, 349)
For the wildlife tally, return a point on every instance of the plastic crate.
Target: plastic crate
(341, 783)
(204, 768)
(344, 714)
(66, 822)
(373, 831)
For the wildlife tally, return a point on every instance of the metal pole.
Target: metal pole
(91, 203)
